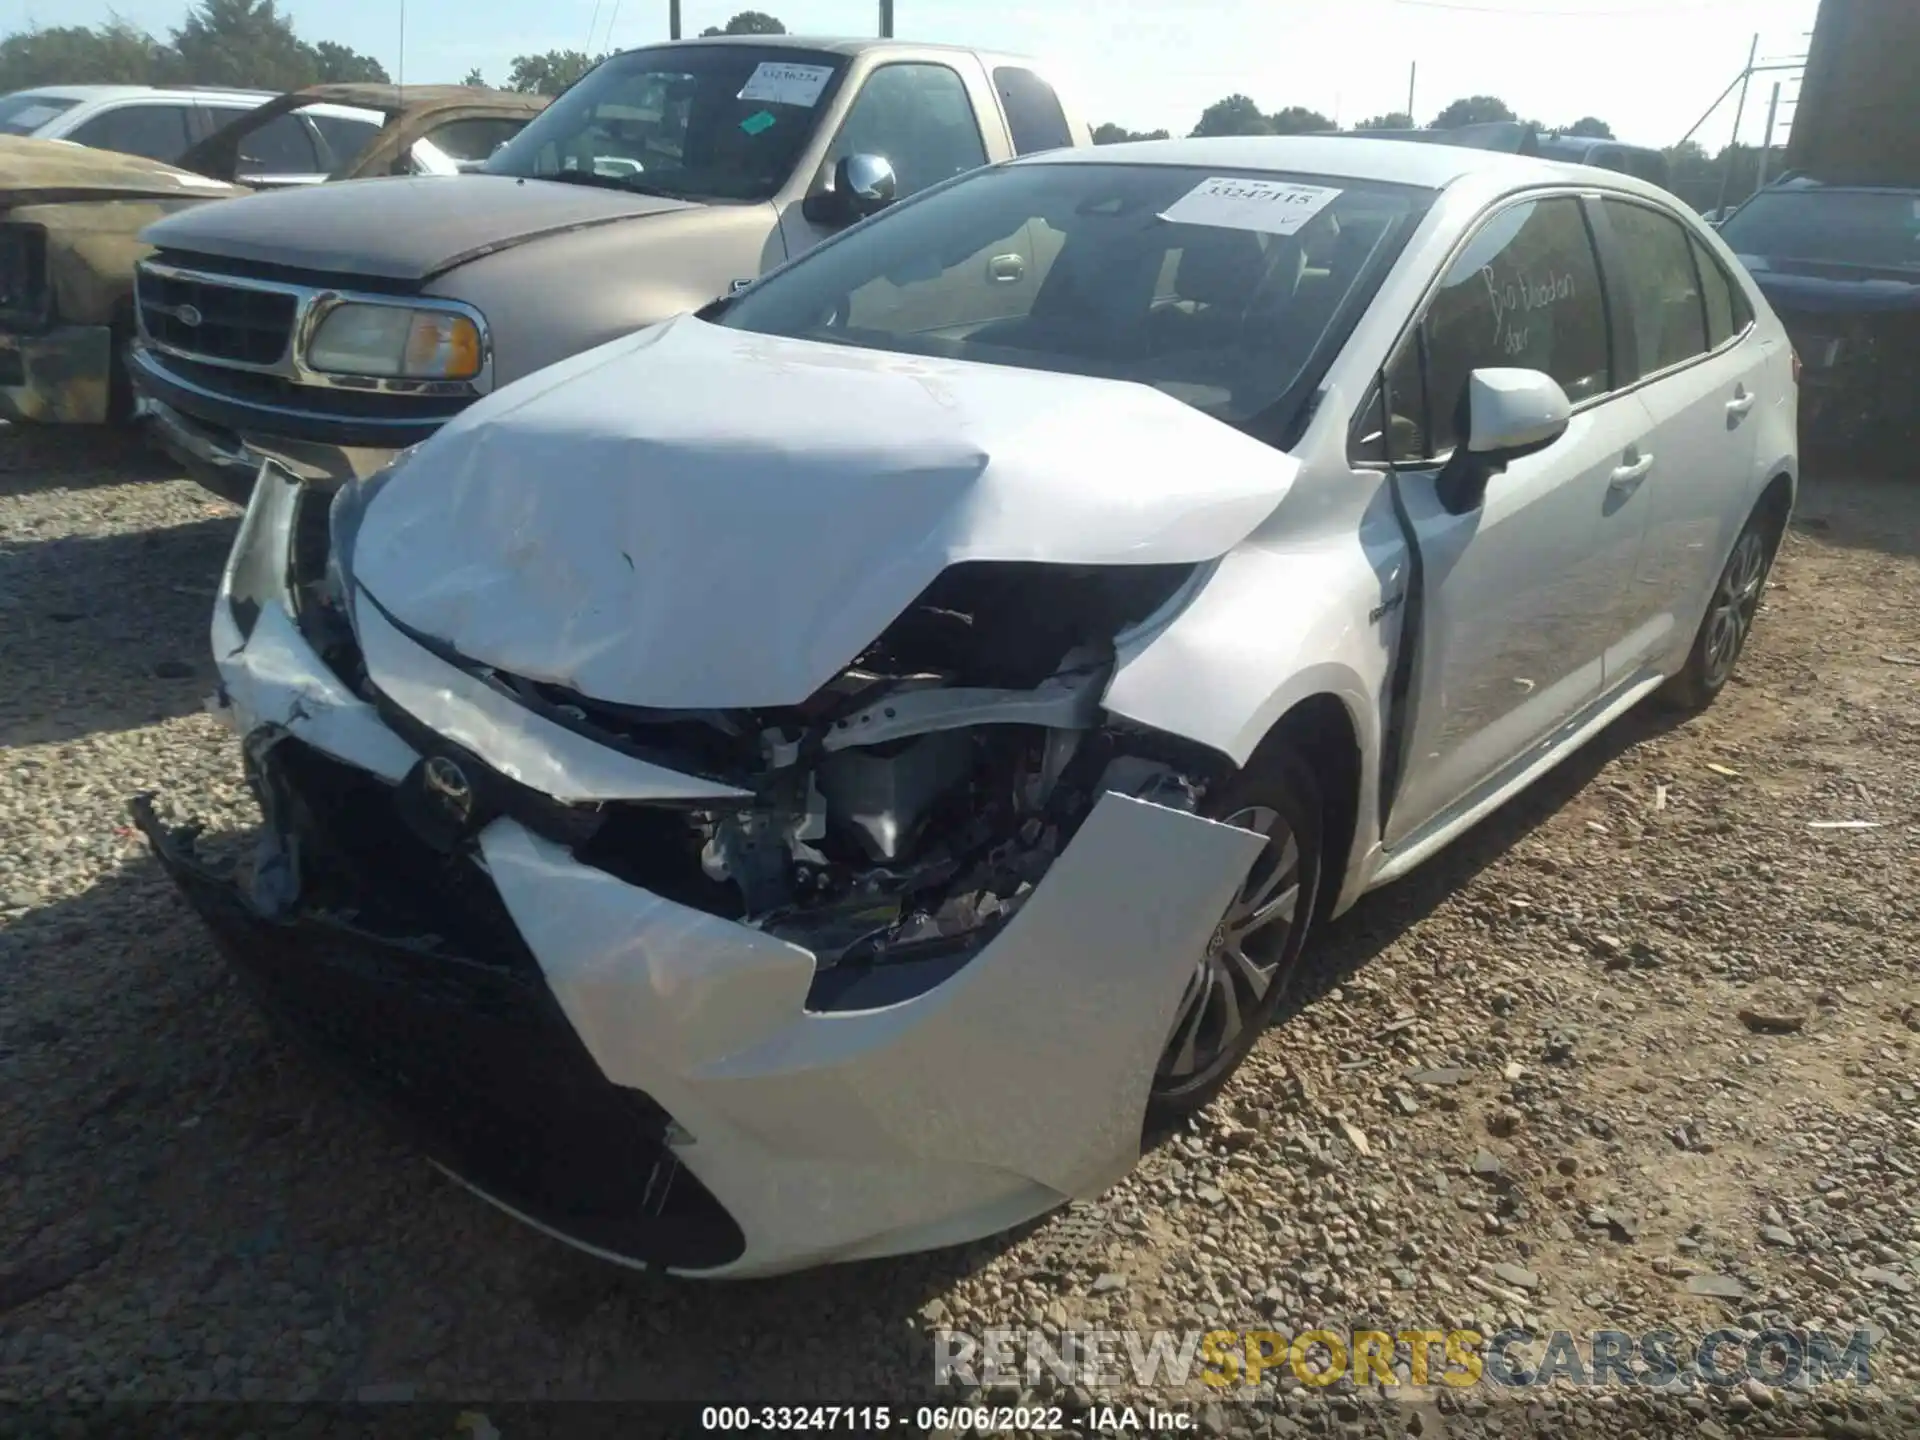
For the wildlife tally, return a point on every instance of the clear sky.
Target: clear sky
(1649, 67)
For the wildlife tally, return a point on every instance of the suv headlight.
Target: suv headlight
(392, 341)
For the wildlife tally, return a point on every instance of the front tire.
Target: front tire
(1253, 957)
(1730, 615)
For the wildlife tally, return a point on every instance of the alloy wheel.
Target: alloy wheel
(1735, 602)
(1242, 960)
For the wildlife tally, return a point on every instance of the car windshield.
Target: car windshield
(712, 122)
(1076, 267)
(24, 113)
(1847, 227)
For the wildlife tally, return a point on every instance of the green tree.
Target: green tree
(1112, 134)
(1392, 120)
(550, 73)
(1235, 115)
(112, 54)
(1692, 175)
(748, 22)
(1298, 120)
(246, 44)
(1590, 125)
(1474, 110)
(337, 64)
(473, 77)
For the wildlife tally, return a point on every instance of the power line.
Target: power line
(1644, 10)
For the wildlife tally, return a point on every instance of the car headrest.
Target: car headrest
(1219, 266)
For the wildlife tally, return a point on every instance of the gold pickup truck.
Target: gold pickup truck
(71, 217)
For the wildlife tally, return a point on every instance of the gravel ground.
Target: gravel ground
(1649, 1032)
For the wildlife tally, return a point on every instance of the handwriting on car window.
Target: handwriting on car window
(1516, 298)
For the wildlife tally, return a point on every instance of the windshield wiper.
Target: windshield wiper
(609, 182)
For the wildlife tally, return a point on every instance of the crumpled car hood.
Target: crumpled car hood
(696, 517)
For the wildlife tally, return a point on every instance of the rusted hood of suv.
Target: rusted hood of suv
(402, 229)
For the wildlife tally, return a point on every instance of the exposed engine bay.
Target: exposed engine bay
(917, 799)
(907, 808)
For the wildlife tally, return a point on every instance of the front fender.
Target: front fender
(1271, 628)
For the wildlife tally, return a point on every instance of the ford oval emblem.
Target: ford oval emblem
(187, 314)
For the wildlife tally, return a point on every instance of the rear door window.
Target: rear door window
(1034, 117)
(282, 146)
(475, 139)
(1726, 315)
(345, 137)
(1659, 287)
(158, 132)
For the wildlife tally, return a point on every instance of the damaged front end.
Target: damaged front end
(887, 968)
(902, 816)
(890, 824)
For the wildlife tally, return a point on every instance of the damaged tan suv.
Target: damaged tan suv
(71, 217)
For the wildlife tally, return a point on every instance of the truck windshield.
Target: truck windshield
(1847, 227)
(704, 122)
(1072, 267)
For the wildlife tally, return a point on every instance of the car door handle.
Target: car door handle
(1741, 403)
(1007, 268)
(1626, 479)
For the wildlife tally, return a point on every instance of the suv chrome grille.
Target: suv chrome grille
(211, 318)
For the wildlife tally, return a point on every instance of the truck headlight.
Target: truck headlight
(391, 341)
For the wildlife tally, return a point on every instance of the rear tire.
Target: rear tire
(1731, 611)
(1253, 957)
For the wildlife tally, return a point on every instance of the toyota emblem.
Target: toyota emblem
(187, 314)
(449, 782)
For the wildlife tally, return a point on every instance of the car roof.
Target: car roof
(832, 44)
(1394, 162)
(82, 93)
(1798, 180)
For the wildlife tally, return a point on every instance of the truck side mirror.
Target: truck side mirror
(862, 185)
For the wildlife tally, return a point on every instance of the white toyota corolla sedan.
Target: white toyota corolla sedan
(819, 778)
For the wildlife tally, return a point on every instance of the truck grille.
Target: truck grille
(23, 275)
(212, 318)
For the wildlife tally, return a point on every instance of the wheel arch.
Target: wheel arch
(1321, 728)
(1776, 501)
(1321, 714)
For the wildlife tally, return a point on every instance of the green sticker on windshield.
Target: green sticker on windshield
(756, 122)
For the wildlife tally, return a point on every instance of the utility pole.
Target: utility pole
(886, 19)
(1766, 145)
(1413, 74)
(1739, 113)
(400, 66)
(673, 19)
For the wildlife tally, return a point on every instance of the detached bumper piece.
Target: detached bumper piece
(440, 1014)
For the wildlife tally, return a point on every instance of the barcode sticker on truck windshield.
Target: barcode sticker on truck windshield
(773, 83)
(1273, 207)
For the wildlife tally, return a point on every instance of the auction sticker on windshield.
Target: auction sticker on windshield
(773, 83)
(1270, 206)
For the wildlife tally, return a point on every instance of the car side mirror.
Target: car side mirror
(1504, 414)
(863, 185)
